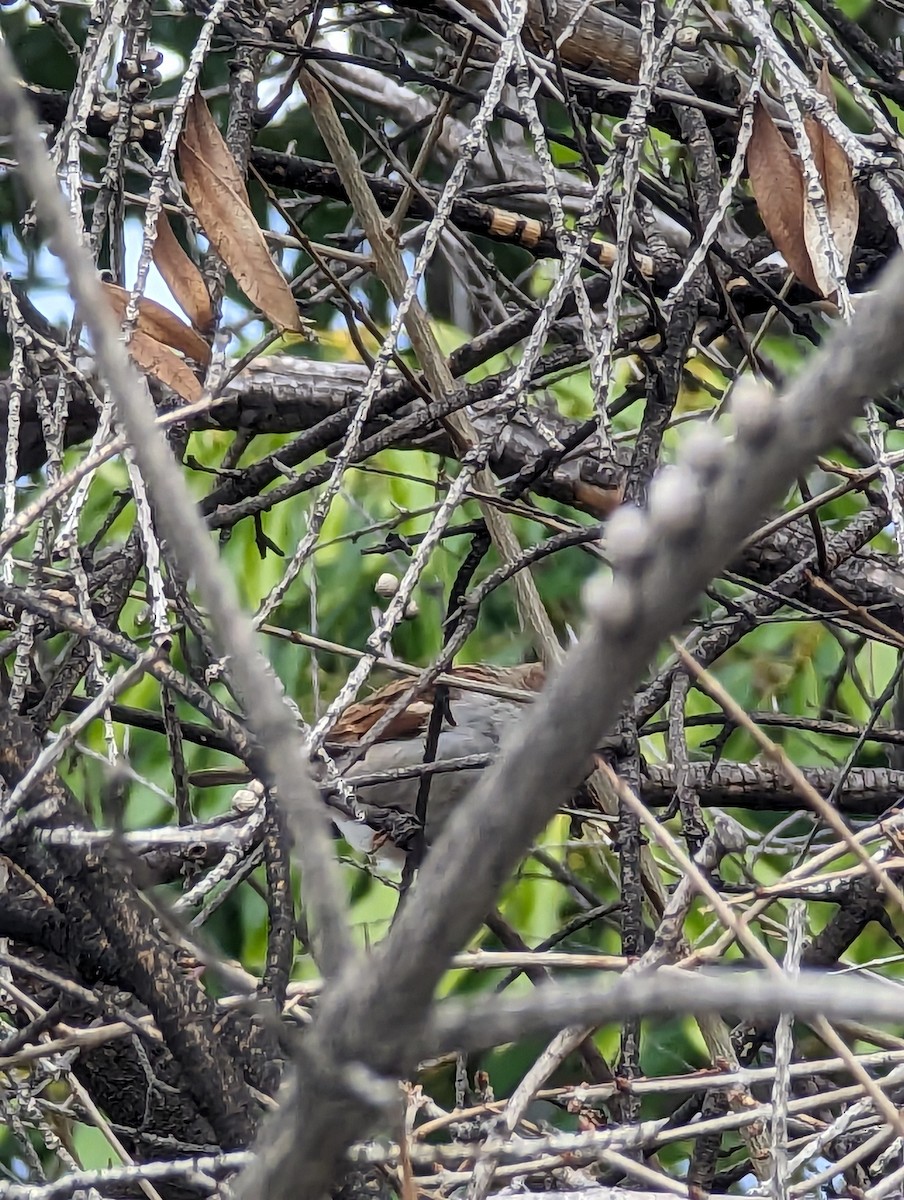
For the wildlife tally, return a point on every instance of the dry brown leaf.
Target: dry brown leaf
(777, 183)
(182, 277)
(160, 324)
(220, 201)
(842, 205)
(202, 132)
(165, 365)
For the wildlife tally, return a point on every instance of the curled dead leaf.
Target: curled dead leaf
(778, 184)
(202, 132)
(182, 277)
(842, 204)
(220, 200)
(165, 365)
(160, 324)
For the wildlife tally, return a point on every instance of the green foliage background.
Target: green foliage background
(782, 667)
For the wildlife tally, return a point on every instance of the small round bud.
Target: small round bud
(140, 88)
(617, 610)
(628, 540)
(675, 502)
(687, 38)
(621, 134)
(704, 453)
(387, 585)
(246, 799)
(593, 593)
(411, 610)
(754, 409)
(127, 68)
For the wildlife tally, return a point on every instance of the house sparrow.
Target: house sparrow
(473, 723)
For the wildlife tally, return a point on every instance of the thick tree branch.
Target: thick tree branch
(696, 518)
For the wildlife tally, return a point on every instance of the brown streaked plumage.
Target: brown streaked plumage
(358, 719)
(474, 723)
